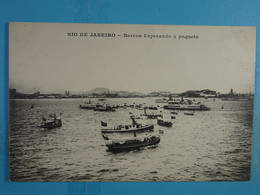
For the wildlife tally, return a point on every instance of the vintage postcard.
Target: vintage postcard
(115, 102)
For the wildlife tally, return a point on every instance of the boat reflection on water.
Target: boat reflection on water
(128, 137)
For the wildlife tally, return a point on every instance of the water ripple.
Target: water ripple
(209, 146)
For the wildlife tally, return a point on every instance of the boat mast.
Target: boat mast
(134, 121)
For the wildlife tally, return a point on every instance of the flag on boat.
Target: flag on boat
(103, 124)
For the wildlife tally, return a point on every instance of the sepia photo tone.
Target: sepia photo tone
(115, 102)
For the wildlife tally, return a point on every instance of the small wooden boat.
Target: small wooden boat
(51, 123)
(152, 108)
(153, 116)
(174, 112)
(139, 106)
(161, 131)
(164, 123)
(189, 113)
(115, 106)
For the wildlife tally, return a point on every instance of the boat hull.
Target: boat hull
(134, 144)
(51, 126)
(153, 116)
(189, 113)
(142, 129)
(164, 123)
(86, 107)
(152, 108)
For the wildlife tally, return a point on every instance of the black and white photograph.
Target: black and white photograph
(125, 102)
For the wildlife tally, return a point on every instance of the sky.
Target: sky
(42, 57)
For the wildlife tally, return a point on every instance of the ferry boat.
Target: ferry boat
(163, 100)
(131, 128)
(126, 137)
(104, 108)
(87, 105)
(186, 105)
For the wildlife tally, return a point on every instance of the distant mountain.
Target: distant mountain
(99, 90)
(102, 90)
